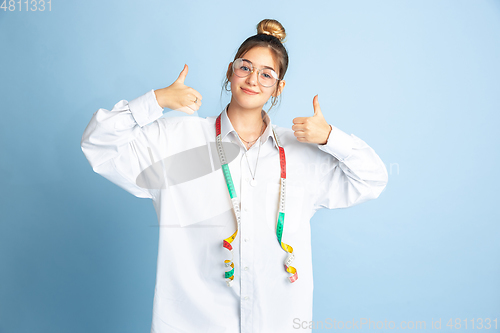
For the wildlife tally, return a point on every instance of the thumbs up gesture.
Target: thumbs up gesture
(178, 96)
(313, 129)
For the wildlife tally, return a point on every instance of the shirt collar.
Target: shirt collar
(226, 127)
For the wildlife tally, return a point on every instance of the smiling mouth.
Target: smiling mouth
(249, 91)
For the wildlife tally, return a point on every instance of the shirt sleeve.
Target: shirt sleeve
(118, 142)
(350, 172)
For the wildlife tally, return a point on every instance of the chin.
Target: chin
(247, 101)
(250, 104)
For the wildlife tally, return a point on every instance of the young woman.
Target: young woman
(234, 194)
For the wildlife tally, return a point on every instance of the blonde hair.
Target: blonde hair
(270, 34)
(273, 28)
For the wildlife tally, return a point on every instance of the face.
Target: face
(247, 92)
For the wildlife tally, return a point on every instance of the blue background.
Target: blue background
(417, 80)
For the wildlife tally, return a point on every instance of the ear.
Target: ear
(229, 71)
(279, 89)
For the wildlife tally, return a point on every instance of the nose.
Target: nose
(253, 77)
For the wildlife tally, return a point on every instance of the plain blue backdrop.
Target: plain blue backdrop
(417, 80)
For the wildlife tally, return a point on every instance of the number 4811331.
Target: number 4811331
(26, 5)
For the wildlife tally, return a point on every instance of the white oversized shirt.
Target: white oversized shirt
(173, 161)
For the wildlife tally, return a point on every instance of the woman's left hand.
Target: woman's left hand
(313, 129)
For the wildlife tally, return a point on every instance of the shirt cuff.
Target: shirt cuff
(145, 109)
(339, 144)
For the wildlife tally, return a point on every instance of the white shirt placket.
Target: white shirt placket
(247, 244)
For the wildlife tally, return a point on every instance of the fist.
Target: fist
(312, 129)
(178, 96)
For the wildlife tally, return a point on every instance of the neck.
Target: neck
(247, 122)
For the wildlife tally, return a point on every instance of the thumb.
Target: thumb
(182, 75)
(317, 109)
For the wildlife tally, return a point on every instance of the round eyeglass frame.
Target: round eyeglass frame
(252, 70)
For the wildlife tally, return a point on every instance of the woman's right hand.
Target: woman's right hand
(178, 96)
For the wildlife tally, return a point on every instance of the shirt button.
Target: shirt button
(246, 179)
(246, 298)
(245, 209)
(246, 239)
(246, 268)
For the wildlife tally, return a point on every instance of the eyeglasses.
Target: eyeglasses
(266, 76)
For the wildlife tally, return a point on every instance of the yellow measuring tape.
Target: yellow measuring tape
(229, 274)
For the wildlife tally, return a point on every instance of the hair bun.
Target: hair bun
(273, 28)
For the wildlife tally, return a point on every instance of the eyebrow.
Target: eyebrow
(252, 64)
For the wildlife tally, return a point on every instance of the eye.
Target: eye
(267, 76)
(245, 68)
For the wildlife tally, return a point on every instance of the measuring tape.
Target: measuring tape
(229, 274)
